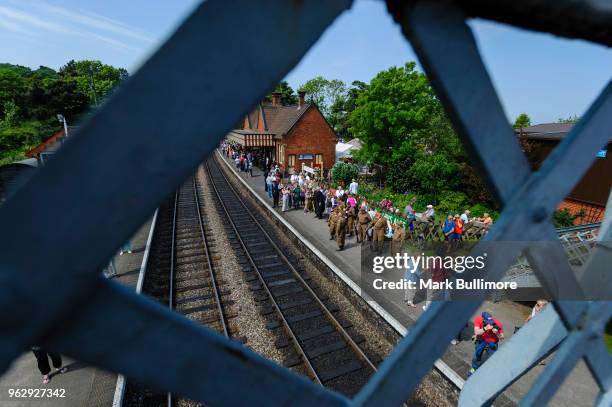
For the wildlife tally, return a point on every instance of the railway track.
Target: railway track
(181, 273)
(317, 341)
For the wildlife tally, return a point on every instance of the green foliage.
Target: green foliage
(11, 156)
(10, 110)
(451, 202)
(404, 130)
(288, 96)
(344, 172)
(522, 120)
(341, 109)
(324, 93)
(564, 218)
(31, 99)
(570, 119)
(433, 173)
(478, 211)
(93, 78)
(392, 112)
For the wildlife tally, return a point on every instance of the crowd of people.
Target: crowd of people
(350, 214)
(346, 211)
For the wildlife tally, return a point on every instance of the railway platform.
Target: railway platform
(579, 389)
(82, 385)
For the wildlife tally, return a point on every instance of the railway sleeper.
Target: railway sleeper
(342, 370)
(293, 304)
(313, 334)
(305, 316)
(325, 349)
(284, 290)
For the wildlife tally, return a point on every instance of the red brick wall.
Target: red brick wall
(593, 213)
(311, 135)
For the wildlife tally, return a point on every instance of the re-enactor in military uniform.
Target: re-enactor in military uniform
(350, 220)
(399, 237)
(380, 225)
(331, 223)
(341, 222)
(363, 221)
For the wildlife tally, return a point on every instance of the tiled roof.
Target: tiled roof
(279, 119)
(53, 143)
(247, 131)
(546, 131)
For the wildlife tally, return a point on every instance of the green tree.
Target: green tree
(522, 120)
(324, 93)
(93, 78)
(403, 128)
(564, 218)
(288, 96)
(344, 172)
(31, 99)
(11, 112)
(341, 109)
(392, 114)
(569, 119)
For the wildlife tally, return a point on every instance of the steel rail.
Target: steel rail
(327, 312)
(172, 251)
(172, 260)
(208, 255)
(211, 270)
(288, 329)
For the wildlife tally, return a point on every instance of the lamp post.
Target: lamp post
(62, 119)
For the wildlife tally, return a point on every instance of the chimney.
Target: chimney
(301, 95)
(276, 99)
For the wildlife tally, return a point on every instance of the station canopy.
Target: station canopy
(251, 138)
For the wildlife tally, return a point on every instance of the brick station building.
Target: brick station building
(291, 135)
(591, 193)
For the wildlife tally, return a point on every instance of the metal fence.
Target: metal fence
(167, 118)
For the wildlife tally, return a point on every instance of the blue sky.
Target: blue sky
(535, 73)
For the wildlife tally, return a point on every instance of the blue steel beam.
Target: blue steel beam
(443, 42)
(448, 53)
(156, 131)
(414, 356)
(570, 351)
(147, 342)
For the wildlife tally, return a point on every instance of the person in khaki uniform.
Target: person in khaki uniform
(341, 222)
(350, 220)
(399, 237)
(363, 222)
(380, 225)
(331, 223)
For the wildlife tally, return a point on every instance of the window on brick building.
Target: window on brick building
(319, 159)
(281, 154)
(291, 160)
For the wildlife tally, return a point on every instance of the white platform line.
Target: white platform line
(442, 367)
(120, 387)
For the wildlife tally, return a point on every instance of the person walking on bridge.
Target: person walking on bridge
(42, 359)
